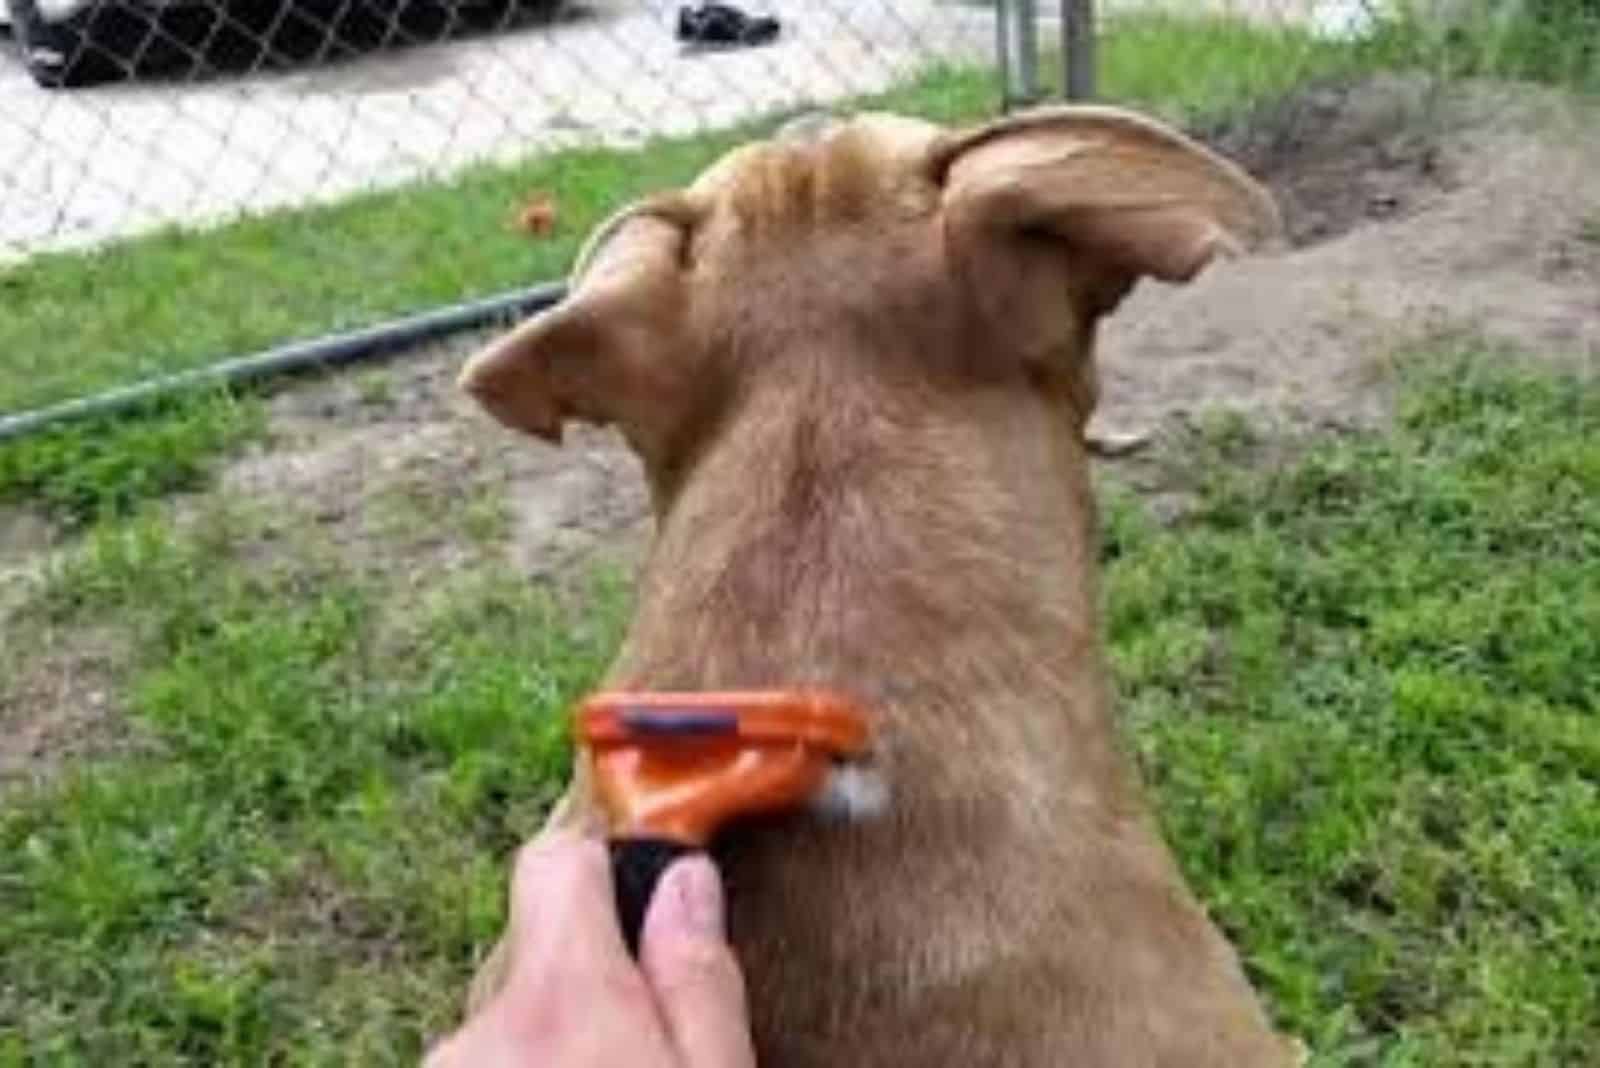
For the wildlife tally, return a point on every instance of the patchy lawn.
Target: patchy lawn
(1363, 685)
(302, 853)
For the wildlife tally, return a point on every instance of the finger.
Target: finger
(563, 909)
(692, 970)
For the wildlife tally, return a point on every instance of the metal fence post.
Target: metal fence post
(1077, 50)
(1002, 51)
(1017, 24)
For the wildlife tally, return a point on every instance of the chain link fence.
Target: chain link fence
(271, 175)
(117, 116)
(247, 107)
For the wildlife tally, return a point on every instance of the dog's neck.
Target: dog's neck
(932, 555)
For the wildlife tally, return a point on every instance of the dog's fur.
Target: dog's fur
(856, 364)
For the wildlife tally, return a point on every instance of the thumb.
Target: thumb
(686, 958)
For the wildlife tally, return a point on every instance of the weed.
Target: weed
(486, 517)
(375, 388)
(105, 467)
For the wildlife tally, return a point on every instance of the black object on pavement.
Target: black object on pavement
(724, 26)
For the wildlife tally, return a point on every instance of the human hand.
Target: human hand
(573, 998)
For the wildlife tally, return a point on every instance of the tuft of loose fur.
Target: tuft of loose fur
(853, 791)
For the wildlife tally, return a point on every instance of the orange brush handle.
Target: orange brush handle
(679, 765)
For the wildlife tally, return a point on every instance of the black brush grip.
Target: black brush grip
(637, 865)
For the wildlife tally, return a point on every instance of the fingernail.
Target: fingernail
(691, 899)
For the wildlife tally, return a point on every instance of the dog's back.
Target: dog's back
(857, 367)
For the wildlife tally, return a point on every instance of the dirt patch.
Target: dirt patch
(59, 701)
(1465, 211)
(58, 689)
(409, 480)
(26, 540)
(1342, 156)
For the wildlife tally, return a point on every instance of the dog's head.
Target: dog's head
(878, 253)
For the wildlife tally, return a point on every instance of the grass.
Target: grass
(106, 467)
(176, 299)
(305, 850)
(1556, 42)
(1367, 691)
(1195, 70)
(1365, 688)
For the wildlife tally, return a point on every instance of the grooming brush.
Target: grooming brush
(670, 769)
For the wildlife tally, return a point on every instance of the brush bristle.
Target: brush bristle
(852, 792)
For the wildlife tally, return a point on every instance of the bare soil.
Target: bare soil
(1408, 211)
(59, 701)
(396, 466)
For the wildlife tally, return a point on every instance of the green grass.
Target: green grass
(1556, 42)
(305, 851)
(1365, 688)
(106, 467)
(1196, 70)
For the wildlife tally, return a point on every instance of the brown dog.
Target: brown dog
(856, 364)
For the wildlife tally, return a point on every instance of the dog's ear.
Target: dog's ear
(1125, 195)
(605, 353)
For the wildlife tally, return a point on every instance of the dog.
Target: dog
(856, 364)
